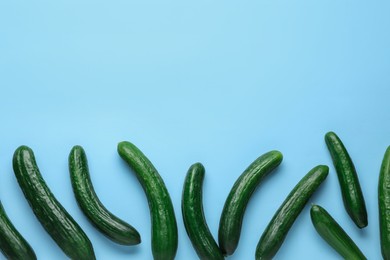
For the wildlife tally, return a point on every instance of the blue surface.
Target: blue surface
(219, 82)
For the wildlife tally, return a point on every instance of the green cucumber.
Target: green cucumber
(384, 205)
(164, 227)
(12, 244)
(51, 214)
(234, 209)
(276, 231)
(111, 226)
(349, 183)
(193, 215)
(334, 234)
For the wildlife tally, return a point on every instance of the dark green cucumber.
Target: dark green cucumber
(276, 231)
(333, 234)
(12, 244)
(164, 227)
(384, 205)
(111, 226)
(348, 179)
(193, 215)
(234, 209)
(51, 214)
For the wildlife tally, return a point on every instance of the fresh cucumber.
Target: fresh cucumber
(193, 215)
(276, 231)
(164, 227)
(334, 234)
(234, 209)
(51, 214)
(12, 244)
(349, 183)
(111, 226)
(384, 205)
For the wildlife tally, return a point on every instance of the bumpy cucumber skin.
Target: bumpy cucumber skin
(164, 227)
(193, 215)
(384, 205)
(51, 214)
(334, 234)
(111, 226)
(276, 231)
(349, 183)
(12, 244)
(234, 209)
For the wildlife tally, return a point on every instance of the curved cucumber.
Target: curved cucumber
(164, 227)
(333, 234)
(54, 218)
(384, 205)
(12, 244)
(111, 226)
(193, 215)
(285, 216)
(348, 179)
(238, 198)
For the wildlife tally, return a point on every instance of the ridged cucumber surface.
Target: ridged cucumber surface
(334, 234)
(12, 244)
(164, 227)
(384, 205)
(349, 183)
(233, 211)
(51, 214)
(277, 230)
(193, 215)
(107, 223)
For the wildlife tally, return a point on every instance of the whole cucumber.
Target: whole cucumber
(277, 230)
(193, 215)
(233, 211)
(110, 225)
(349, 183)
(164, 227)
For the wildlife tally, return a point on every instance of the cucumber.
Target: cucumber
(164, 227)
(193, 215)
(384, 205)
(333, 234)
(348, 179)
(276, 231)
(51, 214)
(234, 209)
(111, 226)
(12, 244)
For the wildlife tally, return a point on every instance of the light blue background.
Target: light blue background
(219, 82)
